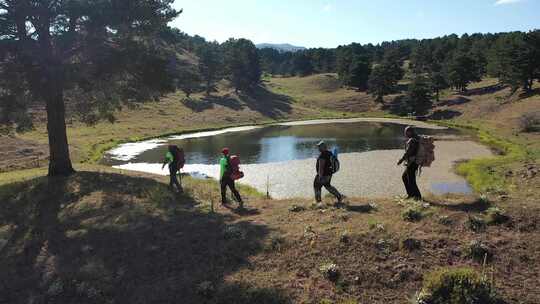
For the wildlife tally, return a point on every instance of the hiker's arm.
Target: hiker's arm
(167, 160)
(322, 163)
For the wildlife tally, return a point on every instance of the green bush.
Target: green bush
(476, 224)
(412, 214)
(456, 286)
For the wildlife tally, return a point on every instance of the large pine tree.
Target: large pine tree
(58, 48)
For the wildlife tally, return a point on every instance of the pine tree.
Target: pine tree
(61, 48)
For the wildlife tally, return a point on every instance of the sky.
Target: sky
(329, 23)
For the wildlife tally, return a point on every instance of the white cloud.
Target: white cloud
(503, 2)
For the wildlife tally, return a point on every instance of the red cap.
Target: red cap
(225, 151)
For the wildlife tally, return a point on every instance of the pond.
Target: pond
(279, 158)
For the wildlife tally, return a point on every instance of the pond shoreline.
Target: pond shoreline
(370, 174)
(126, 150)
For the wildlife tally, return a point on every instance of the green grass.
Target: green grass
(487, 174)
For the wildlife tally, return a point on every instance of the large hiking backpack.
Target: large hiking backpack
(334, 162)
(426, 151)
(234, 163)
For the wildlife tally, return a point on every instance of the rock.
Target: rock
(296, 208)
(330, 271)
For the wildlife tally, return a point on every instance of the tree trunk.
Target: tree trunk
(59, 162)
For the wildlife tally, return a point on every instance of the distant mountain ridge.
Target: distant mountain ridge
(282, 47)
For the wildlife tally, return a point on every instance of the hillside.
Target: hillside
(106, 235)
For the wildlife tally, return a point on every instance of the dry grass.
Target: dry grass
(100, 237)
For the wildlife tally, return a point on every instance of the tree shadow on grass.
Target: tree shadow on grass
(458, 100)
(198, 105)
(484, 90)
(267, 103)
(107, 238)
(444, 114)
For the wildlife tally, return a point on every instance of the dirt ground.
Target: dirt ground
(103, 237)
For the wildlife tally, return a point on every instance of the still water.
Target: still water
(275, 143)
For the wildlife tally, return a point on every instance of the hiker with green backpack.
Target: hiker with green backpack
(419, 153)
(327, 164)
(229, 172)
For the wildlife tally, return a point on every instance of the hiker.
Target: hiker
(411, 165)
(175, 159)
(227, 179)
(325, 171)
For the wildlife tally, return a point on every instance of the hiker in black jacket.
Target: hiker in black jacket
(324, 174)
(409, 175)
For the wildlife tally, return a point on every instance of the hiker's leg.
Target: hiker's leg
(330, 188)
(406, 183)
(174, 179)
(179, 185)
(235, 193)
(223, 185)
(317, 186)
(414, 187)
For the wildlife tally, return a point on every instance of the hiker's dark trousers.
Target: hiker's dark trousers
(324, 181)
(227, 181)
(173, 179)
(409, 180)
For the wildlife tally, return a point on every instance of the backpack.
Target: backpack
(180, 158)
(234, 163)
(334, 162)
(426, 151)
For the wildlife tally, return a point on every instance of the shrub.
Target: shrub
(330, 271)
(476, 224)
(296, 208)
(495, 216)
(412, 214)
(445, 220)
(344, 237)
(411, 244)
(206, 289)
(456, 286)
(529, 122)
(234, 232)
(276, 242)
(479, 251)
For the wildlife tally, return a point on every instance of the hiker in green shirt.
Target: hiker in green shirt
(175, 159)
(225, 179)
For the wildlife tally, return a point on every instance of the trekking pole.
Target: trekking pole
(268, 186)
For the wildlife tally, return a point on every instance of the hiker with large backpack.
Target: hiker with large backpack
(327, 164)
(229, 172)
(419, 153)
(175, 159)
